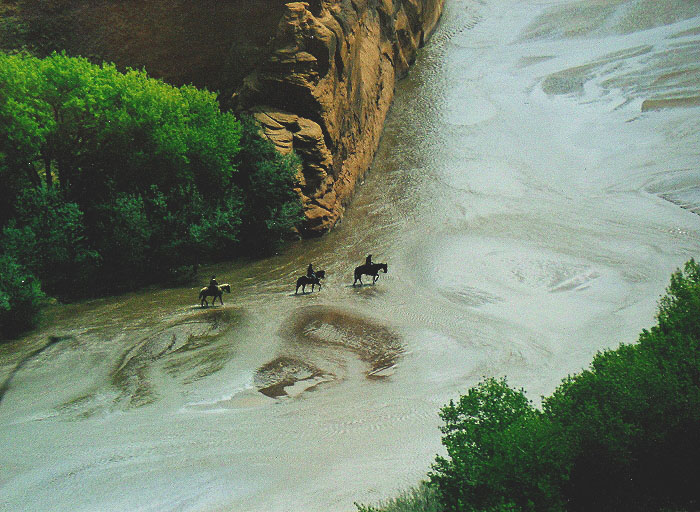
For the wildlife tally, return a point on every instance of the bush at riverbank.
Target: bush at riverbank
(622, 435)
(423, 498)
(112, 180)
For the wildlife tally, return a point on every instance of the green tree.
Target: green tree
(123, 233)
(187, 230)
(131, 178)
(20, 298)
(481, 433)
(268, 181)
(632, 421)
(85, 126)
(22, 130)
(47, 237)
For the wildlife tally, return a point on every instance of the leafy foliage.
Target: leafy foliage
(622, 435)
(20, 297)
(122, 176)
(632, 422)
(46, 235)
(422, 498)
(490, 436)
(272, 206)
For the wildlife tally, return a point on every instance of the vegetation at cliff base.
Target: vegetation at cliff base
(621, 435)
(112, 180)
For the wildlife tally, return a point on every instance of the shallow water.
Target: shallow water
(536, 185)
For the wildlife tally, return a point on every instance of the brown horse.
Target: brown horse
(313, 281)
(371, 269)
(218, 291)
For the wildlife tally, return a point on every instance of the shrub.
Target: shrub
(20, 298)
(422, 498)
(493, 440)
(268, 180)
(47, 237)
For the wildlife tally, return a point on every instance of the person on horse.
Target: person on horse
(310, 272)
(368, 260)
(213, 285)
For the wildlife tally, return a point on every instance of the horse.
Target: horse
(371, 269)
(313, 281)
(218, 292)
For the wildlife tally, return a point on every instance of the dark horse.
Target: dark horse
(313, 281)
(369, 270)
(218, 291)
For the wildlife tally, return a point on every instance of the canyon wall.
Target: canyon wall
(325, 88)
(208, 43)
(318, 75)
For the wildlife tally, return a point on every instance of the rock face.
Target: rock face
(325, 88)
(208, 43)
(319, 75)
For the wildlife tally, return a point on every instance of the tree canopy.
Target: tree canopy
(125, 177)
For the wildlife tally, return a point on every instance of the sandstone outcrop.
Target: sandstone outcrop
(325, 88)
(318, 75)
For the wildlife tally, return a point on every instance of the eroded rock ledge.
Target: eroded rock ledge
(326, 86)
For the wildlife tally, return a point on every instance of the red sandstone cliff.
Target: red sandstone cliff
(326, 86)
(318, 75)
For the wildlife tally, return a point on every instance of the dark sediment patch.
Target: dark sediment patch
(688, 199)
(664, 103)
(322, 341)
(189, 349)
(375, 344)
(272, 378)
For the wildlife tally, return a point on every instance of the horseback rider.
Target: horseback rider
(213, 285)
(368, 260)
(310, 272)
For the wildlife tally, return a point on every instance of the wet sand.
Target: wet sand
(531, 209)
